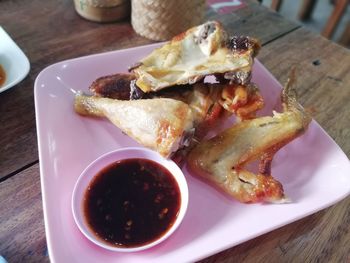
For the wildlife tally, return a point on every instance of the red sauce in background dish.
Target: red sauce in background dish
(2, 76)
(132, 202)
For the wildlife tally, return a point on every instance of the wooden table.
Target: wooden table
(50, 31)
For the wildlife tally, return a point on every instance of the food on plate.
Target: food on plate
(242, 100)
(223, 159)
(147, 118)
(166, 103)
(161, 124)
(198, 52)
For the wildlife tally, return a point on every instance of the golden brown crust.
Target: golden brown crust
(192, 55)
(222, 160)
(160, 129)
(116, 86)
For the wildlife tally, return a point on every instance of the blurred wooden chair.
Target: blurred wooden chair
(306, 9)
(333, 20)
(305, 12)
(275, 4)
(345, 37)
(339, 9)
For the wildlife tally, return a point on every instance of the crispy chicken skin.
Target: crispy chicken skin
(242, 100)
(200, 101)
(120, 86)
(198, 52)
(115, 86)
(159, 124)
(222, 160)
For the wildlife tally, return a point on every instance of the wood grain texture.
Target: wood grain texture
(256, 21)
(22, 233)
(323, 78)
(50, 31)
(321, 237)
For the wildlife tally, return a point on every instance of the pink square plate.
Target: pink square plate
(313, 169)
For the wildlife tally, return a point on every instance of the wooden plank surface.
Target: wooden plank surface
(322, 237)
(323, 78)
(256, 21)
(50, 31)
(22, 233)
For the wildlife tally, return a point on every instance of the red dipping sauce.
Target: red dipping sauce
(131, 203)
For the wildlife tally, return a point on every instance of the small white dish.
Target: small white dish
(13, 61)
(105, 160)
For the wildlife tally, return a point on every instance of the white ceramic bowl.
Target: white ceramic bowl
(127, 153)
(13, 60)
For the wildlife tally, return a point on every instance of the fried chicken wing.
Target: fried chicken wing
(161, 124)
(222, 160)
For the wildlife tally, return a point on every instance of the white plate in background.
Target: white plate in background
(13, 61)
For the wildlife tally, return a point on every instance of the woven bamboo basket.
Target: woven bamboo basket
(163, 19)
